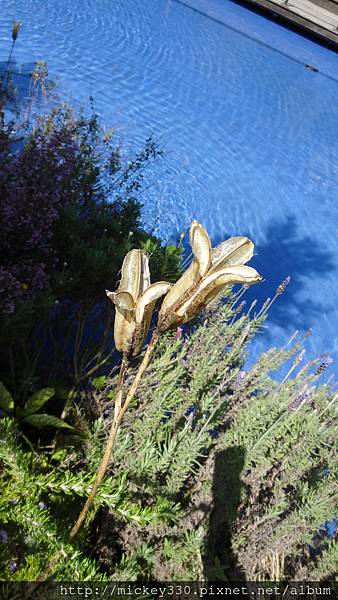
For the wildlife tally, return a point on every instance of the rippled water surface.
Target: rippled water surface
(250, 136)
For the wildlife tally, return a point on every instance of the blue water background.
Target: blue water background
(250, 136)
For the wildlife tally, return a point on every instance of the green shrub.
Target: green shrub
(68, 214)
(218, 473)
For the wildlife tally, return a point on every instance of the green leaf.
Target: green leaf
(99, 382)
(43, 420)
(60, 455)
(6, 399)
(36, 401)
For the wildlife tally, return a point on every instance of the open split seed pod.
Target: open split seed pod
(134, 302)
(211, 270)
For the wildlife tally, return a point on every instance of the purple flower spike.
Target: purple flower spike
(179, 333)
(326, 362)
(3, 536)
(240, 377)
(240, 307)
(281, 288)
(12, 565)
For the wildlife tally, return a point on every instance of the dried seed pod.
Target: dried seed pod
(210, 271)
(15, 30)
(134, 302)
(201, 247)
(212, 285)
(233, 252)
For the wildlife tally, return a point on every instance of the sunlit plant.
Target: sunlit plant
(209, 273)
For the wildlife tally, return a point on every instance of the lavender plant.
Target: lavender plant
(219, 471)
(209, 272)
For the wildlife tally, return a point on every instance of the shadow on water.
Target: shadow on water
(20, 76)
(28, 84)
(287, 252)
(219, 563)
(306, 261)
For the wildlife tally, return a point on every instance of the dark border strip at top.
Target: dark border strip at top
(250, 4)
(288, 18)
(300, 23)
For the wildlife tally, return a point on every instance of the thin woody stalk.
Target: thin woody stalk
(110, 441)
(107, 453)
(118, 416)
(15, 33)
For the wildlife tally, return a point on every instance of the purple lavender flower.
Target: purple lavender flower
(36, 184)
(299, 399)
(299, 357)
(12, 565)
(326, 362)
(41, 505)
(265, 304)
(179, 333)
(240, 377)
(281, 288)
(3, 536)
(240, 307)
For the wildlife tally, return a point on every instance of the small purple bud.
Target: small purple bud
(41, 505)
(281, 288)
(12, 565)
(179, 333)
(266, 304)
(238, 381)
(240, 307)
(297, 401)
(15, 30)
(3, 536)
(328, 361)
(300, 357)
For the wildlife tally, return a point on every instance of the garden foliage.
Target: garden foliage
(68, 214)
(218, 472)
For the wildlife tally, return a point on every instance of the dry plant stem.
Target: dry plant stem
(107, 453)
(118, 416)
(110, 442)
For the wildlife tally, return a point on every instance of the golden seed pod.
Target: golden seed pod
(15, 30)
(134, 302)
(210, 271)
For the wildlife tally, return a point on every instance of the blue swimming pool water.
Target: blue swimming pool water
(250, 136)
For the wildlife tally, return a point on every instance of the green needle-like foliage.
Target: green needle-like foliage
(218, 472)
